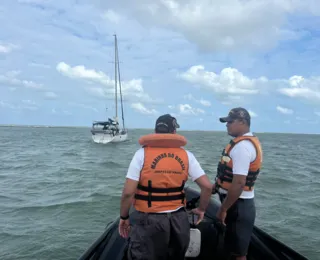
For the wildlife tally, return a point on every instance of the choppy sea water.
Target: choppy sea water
(58, 189)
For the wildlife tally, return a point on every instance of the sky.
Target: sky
(193, 59)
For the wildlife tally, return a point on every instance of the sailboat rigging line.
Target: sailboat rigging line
(120, 89)
(115, 74)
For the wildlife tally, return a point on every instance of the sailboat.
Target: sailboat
(109, 131)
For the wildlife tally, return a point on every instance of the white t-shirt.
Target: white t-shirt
(242, 154)
(135, 167)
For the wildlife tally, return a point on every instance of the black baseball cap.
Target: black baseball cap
(166, 124)
(236, 113)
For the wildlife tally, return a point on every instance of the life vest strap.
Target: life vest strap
(151, 189)
(224, 174)
(229, 177)
(160, 198)
(160, 190)
(227, 171)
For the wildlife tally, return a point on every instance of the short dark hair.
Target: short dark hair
(166, 124)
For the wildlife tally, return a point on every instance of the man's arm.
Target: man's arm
(205, 194)
(128, 192)
(234, 192)
(241, 159)
(131, 183)
(198, 175)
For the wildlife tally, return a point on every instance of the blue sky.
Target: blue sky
(195, 60)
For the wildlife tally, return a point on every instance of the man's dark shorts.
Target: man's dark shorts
(239, 226)
(159, 235)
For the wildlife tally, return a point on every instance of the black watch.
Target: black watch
(124, 218)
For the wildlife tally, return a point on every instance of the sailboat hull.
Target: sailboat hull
(120, 138)
(105, 138)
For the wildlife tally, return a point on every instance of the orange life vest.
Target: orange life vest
(164, 173)
(224, 171)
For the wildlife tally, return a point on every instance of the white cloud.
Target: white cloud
(300, 87)
(7, 48)
(205, 103)
(50, 95)
(11, 78)
(139, 107)
(111, 16)
(186, 109)
(202, 101)
(28, 101)
(7, 105)
(152, 56)
(230, 100)
(229, 81)
(28, 104)
(33, 1)
(81, 72)
(39, 65)
(284, 110)
(100, 92)
(21, 105)
(66, 112)
(73, 104)
(299, 118)
(252, 114)
(131, 90)
(225, 24)
(229, 84)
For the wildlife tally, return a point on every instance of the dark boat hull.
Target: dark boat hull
(262, 247)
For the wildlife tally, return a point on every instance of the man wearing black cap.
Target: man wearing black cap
(166, 124)
(156, 178)
(238, 170)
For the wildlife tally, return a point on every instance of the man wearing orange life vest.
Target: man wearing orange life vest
(238, 170)
(155, 178)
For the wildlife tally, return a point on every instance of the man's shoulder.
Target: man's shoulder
(243, 147)
(139, 153)
(191, 157)
(140, 150)
(245, 143)
(190, 154)
(195, 169)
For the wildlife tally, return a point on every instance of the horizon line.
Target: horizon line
(197, 130)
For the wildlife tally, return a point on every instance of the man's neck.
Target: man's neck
(243, 133)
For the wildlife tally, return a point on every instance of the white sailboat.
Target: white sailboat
(109, 131)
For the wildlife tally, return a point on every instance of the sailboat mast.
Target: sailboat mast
(115, 75)
(120, 89)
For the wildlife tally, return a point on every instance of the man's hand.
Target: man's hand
(221, 215)
(124, 228)
(199, 213)
(213, 190)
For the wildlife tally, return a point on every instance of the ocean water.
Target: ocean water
(58, 189)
